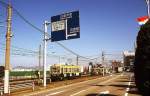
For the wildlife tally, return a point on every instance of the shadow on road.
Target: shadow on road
(126, 86)
(97, 85)
(95, 94)
(114, 85)
(124, 81)
(133, 91)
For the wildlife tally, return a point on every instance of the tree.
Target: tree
(142, 60)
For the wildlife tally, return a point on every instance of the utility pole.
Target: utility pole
(45, 50)
(40, 57)
(148, 6)
(77, 60)
(103, 63)
(39, 61)
(7, 53)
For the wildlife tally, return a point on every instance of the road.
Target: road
(113, 85)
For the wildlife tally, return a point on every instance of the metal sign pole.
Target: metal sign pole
(45, 52)
(66, 29)
(46, 38)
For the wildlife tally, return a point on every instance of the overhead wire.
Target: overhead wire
(42, 31)
(28, 22)
(19, 51)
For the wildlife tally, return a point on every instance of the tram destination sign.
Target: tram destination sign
(65, 26)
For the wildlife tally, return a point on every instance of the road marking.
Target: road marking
(129, 83)
(109, 80)
(126, 94)
(128, 89)
(104, 92)
(54, 93)
(43, 91)
(107, 92)
(78, 93)
(30, 94)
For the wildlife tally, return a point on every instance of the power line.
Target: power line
(73, 52)
(17, 51)
(42, 31)
(20, 51)
(28, 22)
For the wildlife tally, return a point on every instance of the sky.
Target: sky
(105, 25)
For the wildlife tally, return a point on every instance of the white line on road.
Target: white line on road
(78, 93)
(107, 92)
(54, 93)
(129, 83)
(63, 87)
(104, 92)
(47, 90)
(128, 89)
(126, 94)
(104, 82)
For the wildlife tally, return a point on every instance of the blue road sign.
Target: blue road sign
(65, 26)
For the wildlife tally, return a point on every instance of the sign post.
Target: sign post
(45, 51)
(65, 26)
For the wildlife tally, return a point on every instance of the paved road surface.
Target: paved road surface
(113, 85)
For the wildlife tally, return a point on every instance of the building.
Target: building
(128, 60)
(21, 68)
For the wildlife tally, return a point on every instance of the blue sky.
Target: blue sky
(108, 25)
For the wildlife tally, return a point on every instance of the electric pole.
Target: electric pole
(40, 57)
(103, 63)
(77, 60)
(45, 50)
(148, 10)
(7, 53)
(39, 61)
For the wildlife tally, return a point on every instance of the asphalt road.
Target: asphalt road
(113, 85)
